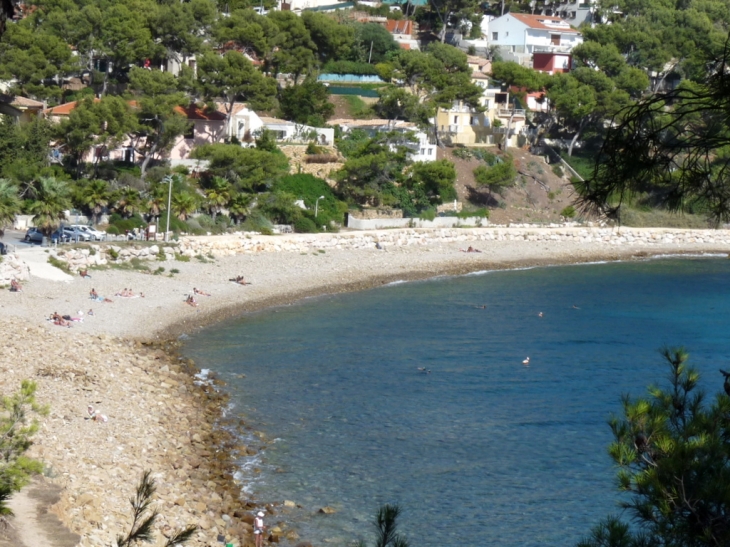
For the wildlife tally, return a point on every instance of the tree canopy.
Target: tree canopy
(672, 450)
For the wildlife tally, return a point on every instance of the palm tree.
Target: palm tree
(51, 200)
(240, 206)
(95, 195)
(156, 200)
(218, 196)
(129, 202)
(184, 204)
(9, 203)
(386, 528)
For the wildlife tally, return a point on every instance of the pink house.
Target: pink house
(207, 127)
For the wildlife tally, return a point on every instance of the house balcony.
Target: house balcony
(552, 49)
(510, 112)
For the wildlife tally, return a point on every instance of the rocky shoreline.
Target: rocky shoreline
(160, 416)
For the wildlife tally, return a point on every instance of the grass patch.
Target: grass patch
(134, 265)
(359, 109)
(60, 264)
(655, 218)
(182, 258)
(174, 271)
(321, 251)
(582, 161)
(201, 258)
(159, 271)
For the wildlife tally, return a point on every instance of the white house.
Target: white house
(545, 40)
(286, 131)
(423, 148)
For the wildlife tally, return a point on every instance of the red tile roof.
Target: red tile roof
(194, 112)
(543, 22)
(402, 26)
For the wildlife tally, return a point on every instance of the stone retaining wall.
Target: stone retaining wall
(227, 245)
(12, 267)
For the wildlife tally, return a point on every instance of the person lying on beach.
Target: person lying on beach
(240, 280)
(15, 286)
(84, 274)
(191, 300)
(128, 293)
(201, 293)
(95, 296)
(60, 321)
(90, 312)
(470, 249)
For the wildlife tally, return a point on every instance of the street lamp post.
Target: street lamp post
(316, 204)
(168, 179)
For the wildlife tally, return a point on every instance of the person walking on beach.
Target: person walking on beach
(258, 528)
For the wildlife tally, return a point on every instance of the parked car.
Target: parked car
(34, 235)
(59, 236)
(96, 235)
(76, 234)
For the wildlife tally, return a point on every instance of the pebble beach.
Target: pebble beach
(122, 360)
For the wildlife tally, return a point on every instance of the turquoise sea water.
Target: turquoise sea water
(483, 450)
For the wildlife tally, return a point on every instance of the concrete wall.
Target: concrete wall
(438, 222)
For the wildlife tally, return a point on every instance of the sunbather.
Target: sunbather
(240, 280)
(202, 293)
(84, 273)
(191, 300)
(15, 286)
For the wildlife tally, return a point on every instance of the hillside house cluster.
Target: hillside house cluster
(542, 42)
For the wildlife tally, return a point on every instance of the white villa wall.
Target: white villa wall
(510, 32)
(542, 39)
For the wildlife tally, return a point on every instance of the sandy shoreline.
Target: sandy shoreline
(119, 360)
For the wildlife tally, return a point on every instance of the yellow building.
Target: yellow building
(462, 124)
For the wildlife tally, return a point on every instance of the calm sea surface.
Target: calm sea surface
(483, 450)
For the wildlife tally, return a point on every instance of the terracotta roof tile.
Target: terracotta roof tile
(194, 112)
(544, 22)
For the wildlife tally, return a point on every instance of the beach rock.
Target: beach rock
(327, 510)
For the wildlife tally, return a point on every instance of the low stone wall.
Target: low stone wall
(245, 242)
(438, 222)
(83, 258)
(12, 267)
(251, 243)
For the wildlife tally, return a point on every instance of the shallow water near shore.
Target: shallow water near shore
(483, 450)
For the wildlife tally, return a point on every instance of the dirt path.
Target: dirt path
(33, 524)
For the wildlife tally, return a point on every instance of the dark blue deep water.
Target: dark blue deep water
(483, 450)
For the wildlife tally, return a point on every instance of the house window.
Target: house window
(474, 121)
(495, 36)
(430, 151)
(190, 132)
(555, 39)
(191, 63)
(456, 120)
(506, 34)
(423, 151)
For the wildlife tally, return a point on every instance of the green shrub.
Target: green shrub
(557, 170)
(60, 264)
(182, 258)
(304, 225)
(314, 148)
(174, 271)
(113, 230)
(568, 212)
(462, 153)
(159, 271)
(112, 253)
(427, 214)
(161, 256)
(349, 67)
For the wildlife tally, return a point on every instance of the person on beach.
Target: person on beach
(202, 293)
(191, 300)
(15, 286)
(84, 274)
(240, 280)
(470, 249)
(258, 528)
